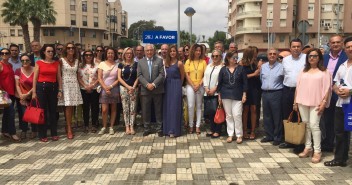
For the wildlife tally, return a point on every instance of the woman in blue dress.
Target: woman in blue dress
(172, 110)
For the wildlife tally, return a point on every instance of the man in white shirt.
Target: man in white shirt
(343, 88)
(293, 65)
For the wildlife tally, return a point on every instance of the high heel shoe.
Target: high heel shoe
(316, 157)
(252, 136)
(306, 153)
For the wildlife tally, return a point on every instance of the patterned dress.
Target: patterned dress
(70, 86)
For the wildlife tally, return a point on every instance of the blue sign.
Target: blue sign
(160, 37)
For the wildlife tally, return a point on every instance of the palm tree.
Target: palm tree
(40, 12)
(15, 13)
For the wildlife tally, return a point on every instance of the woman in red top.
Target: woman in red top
(7, 83)
(47, 87)
(24, 85)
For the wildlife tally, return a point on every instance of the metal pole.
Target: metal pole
(268, 36)
(190, 30)
(319, 17)
(79, 26)
(338, 17)
(178, 24)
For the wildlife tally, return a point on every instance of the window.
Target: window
(73, 19)
(52, 32)
(310, 7)
(49, 32)
(84, 20)
(45, 32)
(310, 22)
(73, 5)
(265, 38)
(96, 24)
(106, 36)
(84, 6)
(95, 7)
(12, 32)
(284, 6)
(269, 23)
(94, 35)
(326, 8)
(20, 32)
(83, 33)
(71, 34)
(20, 46)
(282, 38)
(282, 22)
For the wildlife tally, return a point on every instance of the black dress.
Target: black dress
(254, 86)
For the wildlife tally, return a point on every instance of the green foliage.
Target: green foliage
(219, 36)
(136, 29)
(126, 42)
(184, 38)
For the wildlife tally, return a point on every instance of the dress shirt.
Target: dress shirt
(341, 74)
(211, 75)
(272, 77)
(292, 67)
(332, 62)
(16, 64)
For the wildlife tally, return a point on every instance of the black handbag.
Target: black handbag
(210, 102)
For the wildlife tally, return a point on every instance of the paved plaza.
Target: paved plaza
(189, 159)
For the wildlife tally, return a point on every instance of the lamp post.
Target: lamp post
(190, 12)
(79, 25)
(269, 24)
(178, 24)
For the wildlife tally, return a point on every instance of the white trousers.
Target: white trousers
(310, 116)
(194, 99)
(233, 110)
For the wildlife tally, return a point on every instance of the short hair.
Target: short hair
(42, 51)
(14, 45)
(227, 56)
(335, 35)
(295, 40)
(5, 49)
(106, 52)
(348, 39)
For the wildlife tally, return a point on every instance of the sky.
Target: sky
(210, 14)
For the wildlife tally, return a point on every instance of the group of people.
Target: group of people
(181, 79)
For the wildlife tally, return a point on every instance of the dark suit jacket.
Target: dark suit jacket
(341, 60)
(31, 57)
(157, 77)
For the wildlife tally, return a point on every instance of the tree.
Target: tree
(40, 12)
(136, 29)
(15, 13)
(184, 38)
(219, 36)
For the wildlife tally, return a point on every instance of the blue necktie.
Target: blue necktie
(150, 68)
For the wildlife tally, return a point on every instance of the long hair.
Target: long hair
(248, 55)
(168, 57)
(124, 58)
(76, 55)
(83, 64)
(229, 55)
(193, 50)
(320, 64)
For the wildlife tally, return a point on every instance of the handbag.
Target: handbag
(34, 114)
(295, 132)
(219, 115)
(347, 113)
(210, 105)
(5, 100)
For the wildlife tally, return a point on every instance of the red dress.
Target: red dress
(7, 78)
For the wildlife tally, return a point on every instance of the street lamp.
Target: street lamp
(190, 12)
(269, 24)
(80, 23)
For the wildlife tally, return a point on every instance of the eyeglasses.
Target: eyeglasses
(186, 49)
(50, 51)
(88, 55)
(280, 57)
(272, 53)
(59, 49)
(215, 56)
(5, 53)
(99, 50)
(235, 57)
(25, 61)
(313, 56)
(128, 53)
(70, 48)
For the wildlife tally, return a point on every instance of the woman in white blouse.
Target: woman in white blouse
(210, 82)
(88, 80)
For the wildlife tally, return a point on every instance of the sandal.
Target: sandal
(215, 135)
(252, 136)
(44, 139)
(6, 135)
(239, 140)
(209, 134)
(198, 131)
(15, 138)
(229, 139)
(190, 131)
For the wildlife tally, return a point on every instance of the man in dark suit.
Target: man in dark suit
(35, 56)
(150, 72)
(332, 61)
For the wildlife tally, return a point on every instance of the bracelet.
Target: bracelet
(60, 90)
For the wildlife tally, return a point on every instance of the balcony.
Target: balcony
(242, 30)
(248, 14)
(239, 2)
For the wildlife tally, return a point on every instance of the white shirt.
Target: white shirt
(344, 73)
(210, 79)
(292, 67)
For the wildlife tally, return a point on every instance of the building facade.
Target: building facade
(273, 23)
(99, 22)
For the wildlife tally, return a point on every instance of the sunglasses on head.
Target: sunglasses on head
(5, 53)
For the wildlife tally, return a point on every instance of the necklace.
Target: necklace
(123, 69)
(196, 69)
(232, 77)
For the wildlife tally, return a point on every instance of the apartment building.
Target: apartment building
(98, 22)
(273, 23)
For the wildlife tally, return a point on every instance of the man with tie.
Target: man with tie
(151, 75)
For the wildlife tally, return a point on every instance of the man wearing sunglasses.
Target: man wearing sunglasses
(332, 61)
(59, 48)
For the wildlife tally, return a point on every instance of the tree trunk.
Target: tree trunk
(26, 37)
(36, 29)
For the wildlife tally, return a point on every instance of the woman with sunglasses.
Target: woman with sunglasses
(194, 70)
(24, 85)
(311, 98)
(110, 93)
(99, 54)
(7, 84)
(127, 76)
(47, 87)
(71, 91)
(232, 88)
(88, 80)
(211, 96)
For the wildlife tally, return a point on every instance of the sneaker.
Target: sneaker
(102, 131)
(111, 131)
